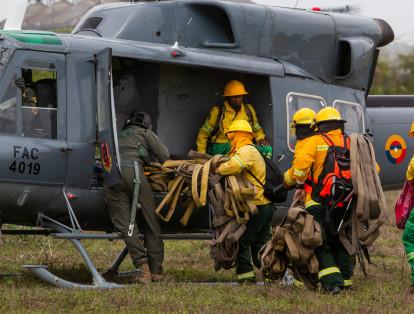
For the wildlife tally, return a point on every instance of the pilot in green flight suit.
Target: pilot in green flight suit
(137, 143)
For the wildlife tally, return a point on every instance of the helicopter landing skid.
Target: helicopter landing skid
(44, 274)
(114, 270)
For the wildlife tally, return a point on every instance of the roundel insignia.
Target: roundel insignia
(395, 149)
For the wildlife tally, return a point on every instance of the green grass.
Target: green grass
(187, 264)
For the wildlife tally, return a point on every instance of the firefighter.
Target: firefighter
(212, 137)
(303, 123)
(246, 160)
(408, 235)
(137, 144)
(335, 264)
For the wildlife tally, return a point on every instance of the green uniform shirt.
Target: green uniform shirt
(136, 143)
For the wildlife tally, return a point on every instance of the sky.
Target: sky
(398, 13)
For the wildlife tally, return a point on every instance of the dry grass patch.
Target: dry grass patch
(385, 290)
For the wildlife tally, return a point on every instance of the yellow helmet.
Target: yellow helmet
(328, 114)
(234, 88)
(304, 116)
(240, 125)
(411, 133)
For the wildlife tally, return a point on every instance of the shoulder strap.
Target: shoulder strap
(249, 113)
(346, 139)
(331, 143)
(251, 173)
(327, 139)
(214, 134)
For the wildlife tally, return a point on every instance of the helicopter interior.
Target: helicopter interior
(179, 98)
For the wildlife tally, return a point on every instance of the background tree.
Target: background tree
(394, 76)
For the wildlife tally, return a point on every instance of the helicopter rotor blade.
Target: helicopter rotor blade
(13, 12)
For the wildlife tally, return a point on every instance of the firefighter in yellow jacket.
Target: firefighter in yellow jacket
(212, 137)
(335, 264)
(408, 235)
(303, 122)
(246, 160)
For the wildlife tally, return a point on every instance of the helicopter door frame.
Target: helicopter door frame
(105, 122)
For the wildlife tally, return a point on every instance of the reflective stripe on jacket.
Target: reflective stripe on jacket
(291, 174)
(246, 158)
(309, 160)
(229, 115)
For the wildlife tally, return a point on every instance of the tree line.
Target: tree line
(394, 76)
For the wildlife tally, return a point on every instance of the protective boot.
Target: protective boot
(334, 290)
(157, 277)
(144, 276)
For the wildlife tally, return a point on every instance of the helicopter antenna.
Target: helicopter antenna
(14, 13)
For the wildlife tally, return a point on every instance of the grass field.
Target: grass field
(385, 290)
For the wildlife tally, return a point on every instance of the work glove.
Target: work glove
(20, 83)
(266, 150)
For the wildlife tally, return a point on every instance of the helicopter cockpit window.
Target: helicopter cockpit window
(39, 103)
(295, 101)
(352, 113)
(8, 109)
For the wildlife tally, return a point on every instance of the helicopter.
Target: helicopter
(170, 59)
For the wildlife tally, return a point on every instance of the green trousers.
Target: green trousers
(119, 201)
(408, 241)
(258, 232)
(336, 266)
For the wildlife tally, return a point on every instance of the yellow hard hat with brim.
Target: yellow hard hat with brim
(240, 125)
(328, 114)
(234, 88)
(304, 116)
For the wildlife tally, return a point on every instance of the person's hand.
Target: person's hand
(299, 195)
(20, 83)
(263, 142)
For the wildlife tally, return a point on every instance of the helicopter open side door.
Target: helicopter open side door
(106, 124)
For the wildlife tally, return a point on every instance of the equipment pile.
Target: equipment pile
(194, 183)
(292, 246)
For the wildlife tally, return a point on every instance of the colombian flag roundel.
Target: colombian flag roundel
(395, 149)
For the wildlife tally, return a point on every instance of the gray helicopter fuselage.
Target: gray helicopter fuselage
(286, 58)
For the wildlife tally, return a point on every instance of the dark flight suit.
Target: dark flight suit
(139, 144)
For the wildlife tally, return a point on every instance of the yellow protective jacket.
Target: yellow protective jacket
(228, 116)
(410, 171)
(290, 174)
(247, 157)
(309, 160)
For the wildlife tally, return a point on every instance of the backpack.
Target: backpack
(274, 189)
(404, 205)
(334, 186)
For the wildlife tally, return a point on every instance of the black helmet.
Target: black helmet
(139, 118)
